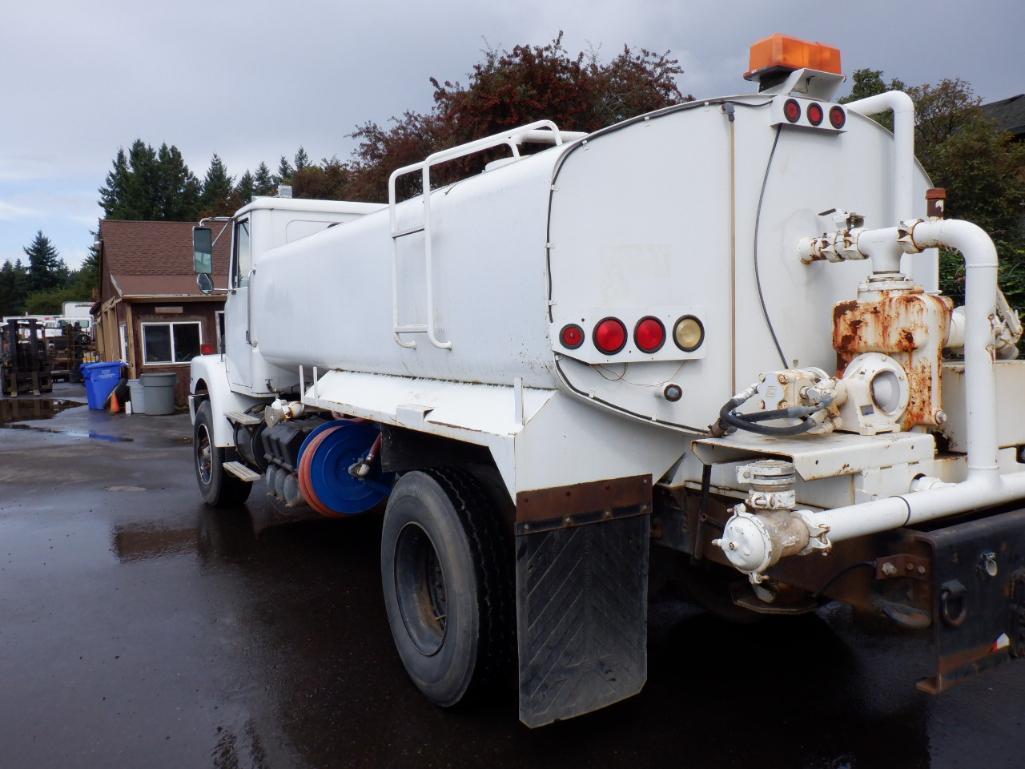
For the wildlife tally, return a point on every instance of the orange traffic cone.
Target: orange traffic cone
(115, 407)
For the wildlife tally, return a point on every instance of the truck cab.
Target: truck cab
(255, 229)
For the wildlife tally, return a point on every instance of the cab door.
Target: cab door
(237, 347)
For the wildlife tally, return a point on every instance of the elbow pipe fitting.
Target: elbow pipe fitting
(903, 109)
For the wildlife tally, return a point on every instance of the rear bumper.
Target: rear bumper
(959, 581)
(977, 595)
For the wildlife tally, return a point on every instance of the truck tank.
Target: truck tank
(663, 217)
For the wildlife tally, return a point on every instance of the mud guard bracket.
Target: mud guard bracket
(581, 596)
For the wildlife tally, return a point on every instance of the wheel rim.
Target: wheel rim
(204, 456)
(420, 589)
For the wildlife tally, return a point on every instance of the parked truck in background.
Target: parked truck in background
(714, 332)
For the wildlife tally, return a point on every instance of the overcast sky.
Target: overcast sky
(252, 80)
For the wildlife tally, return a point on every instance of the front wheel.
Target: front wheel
(219, 488)
(446, 573)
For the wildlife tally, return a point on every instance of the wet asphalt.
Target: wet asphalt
(140, 629)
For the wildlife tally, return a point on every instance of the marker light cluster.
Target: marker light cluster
(610, 335)
(814, 114)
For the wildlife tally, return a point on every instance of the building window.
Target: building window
(171, 342)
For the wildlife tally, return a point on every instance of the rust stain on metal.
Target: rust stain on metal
(562, 501)
(899, 324)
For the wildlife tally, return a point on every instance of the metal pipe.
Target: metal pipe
(980, 257)
(984, 485)
(882, 247)
(903, 109)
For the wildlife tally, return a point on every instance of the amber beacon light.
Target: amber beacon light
(780, 54)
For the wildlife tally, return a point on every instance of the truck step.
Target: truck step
(241, 472)
(241, 418)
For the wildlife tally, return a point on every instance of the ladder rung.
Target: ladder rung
(403, 233)
(416, 328)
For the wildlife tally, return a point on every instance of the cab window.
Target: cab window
(243, 260)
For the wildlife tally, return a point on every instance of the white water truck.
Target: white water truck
(712, 333)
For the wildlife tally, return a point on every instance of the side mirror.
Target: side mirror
(203, 251)
(205, 282)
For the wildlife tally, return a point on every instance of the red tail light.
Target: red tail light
(610, 336)
(792, 110)
(814, 113)
(571, 336)
(837, 117)
(649, 334)
(206, 348)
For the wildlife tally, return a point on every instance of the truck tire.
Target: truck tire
(219, 488)
(447, 576)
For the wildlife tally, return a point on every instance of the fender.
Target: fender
(209, 381)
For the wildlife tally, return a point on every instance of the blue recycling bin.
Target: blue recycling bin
(100, 381)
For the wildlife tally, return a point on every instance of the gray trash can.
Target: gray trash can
(137, 395)
(158, 393)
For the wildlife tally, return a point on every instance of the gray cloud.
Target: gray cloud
(252, 80)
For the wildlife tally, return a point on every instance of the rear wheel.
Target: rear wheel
(219, 488)
(446, 573)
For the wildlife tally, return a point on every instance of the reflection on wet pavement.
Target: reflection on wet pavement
(22, 409)
(144, 629)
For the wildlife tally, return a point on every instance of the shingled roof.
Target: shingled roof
(155, 258)
(1008, 113)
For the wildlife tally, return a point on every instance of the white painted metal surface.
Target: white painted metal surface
(696, 210)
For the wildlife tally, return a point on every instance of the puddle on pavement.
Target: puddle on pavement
(92, 434)
(25, 409)
(14, 412)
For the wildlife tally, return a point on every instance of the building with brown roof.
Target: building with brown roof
(151, 315)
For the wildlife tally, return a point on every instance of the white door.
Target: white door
(237, 348)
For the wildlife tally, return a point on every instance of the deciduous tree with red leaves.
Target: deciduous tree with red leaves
(507, 89)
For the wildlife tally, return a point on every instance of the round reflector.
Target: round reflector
(792, 110)
(649, 334)
(814, 113)
(610, 336)
(688, 333)
(837, 117)
(571, 336)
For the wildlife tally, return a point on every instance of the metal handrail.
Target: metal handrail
(540, 131)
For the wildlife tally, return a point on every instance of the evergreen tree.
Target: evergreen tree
(13, 288)
(148, 184)
(177, 189)
(141, 191)
(263, 182)
(46, 269)
(302, 160)
(245, 188)
(86, 279)
(217, 189)
(285, 172)
(112, 193)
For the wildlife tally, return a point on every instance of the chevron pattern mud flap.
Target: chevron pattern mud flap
(581, 596)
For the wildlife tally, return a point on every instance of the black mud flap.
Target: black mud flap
(978, 596)
(581, 597)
